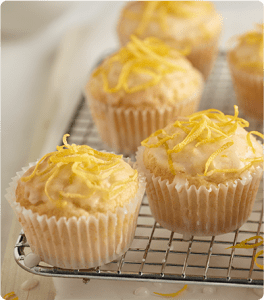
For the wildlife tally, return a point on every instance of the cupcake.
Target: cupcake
(245, 59)
(139, 89)
(202, 173)
(77, 206)
(195, 24)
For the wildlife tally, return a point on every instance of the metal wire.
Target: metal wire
(160, 255)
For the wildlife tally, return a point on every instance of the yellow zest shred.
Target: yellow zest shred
(9, 295)
(213, 156)
(255, 258)
(149, 56)
(208, 126)
(249, 141)
(244, 245)
(158, 11)
(90, 165)
(173, 294)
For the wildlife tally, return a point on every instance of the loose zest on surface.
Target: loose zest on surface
(244, 245)
(172, 294)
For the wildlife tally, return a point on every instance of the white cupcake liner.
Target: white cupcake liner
(249, 91)
(123, 129)
(187, 210)
(81, 243)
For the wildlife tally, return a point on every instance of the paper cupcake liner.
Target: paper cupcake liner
(187, 210)
(81, 243)
(204, 55)
(123, 129)
(249, 91)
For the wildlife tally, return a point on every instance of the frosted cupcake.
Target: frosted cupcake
(195, 24)
(78, 207)
(139, 89)
(246, 66)
(202, 173)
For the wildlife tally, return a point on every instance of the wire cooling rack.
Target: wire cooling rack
(156, 253)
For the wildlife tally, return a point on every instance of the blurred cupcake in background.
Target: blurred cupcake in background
(245, 58)
(178, 23)
(140, 89)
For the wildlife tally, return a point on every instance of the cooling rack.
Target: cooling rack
(157, 254)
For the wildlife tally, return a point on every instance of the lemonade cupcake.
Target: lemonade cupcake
(77, 206)
(139, 89)
(195, 24)
(202, 173)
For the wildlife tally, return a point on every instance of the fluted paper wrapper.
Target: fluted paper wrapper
(81, 243)
(249, 91)
(123, 129)
(187, 210)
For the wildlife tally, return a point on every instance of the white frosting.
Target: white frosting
(29, 284)
(191, 160)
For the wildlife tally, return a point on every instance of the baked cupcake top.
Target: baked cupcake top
(145, 73)
(208, 147)
(181, 21)
(77, 181)
(248, 52)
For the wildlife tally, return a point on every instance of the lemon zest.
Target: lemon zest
(158, 11)
(8, 295)
(213, 155)
(244, 244)
(149, 56)
(249, 141)
(88, 164)
(172, 294)
(208, 126)
(255, 259)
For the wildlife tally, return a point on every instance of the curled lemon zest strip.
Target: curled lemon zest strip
(149, 56)
(8, 295)
(213, 155)
(208, 126)
(90, 165)
(244, 244)
(249, 141)
(173, 294)
(255, 258)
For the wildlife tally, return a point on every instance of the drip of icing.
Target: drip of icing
(209, 290)
(142, 292)
(158, 284)
(150, 56)
(29, 284)
(31, 260)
